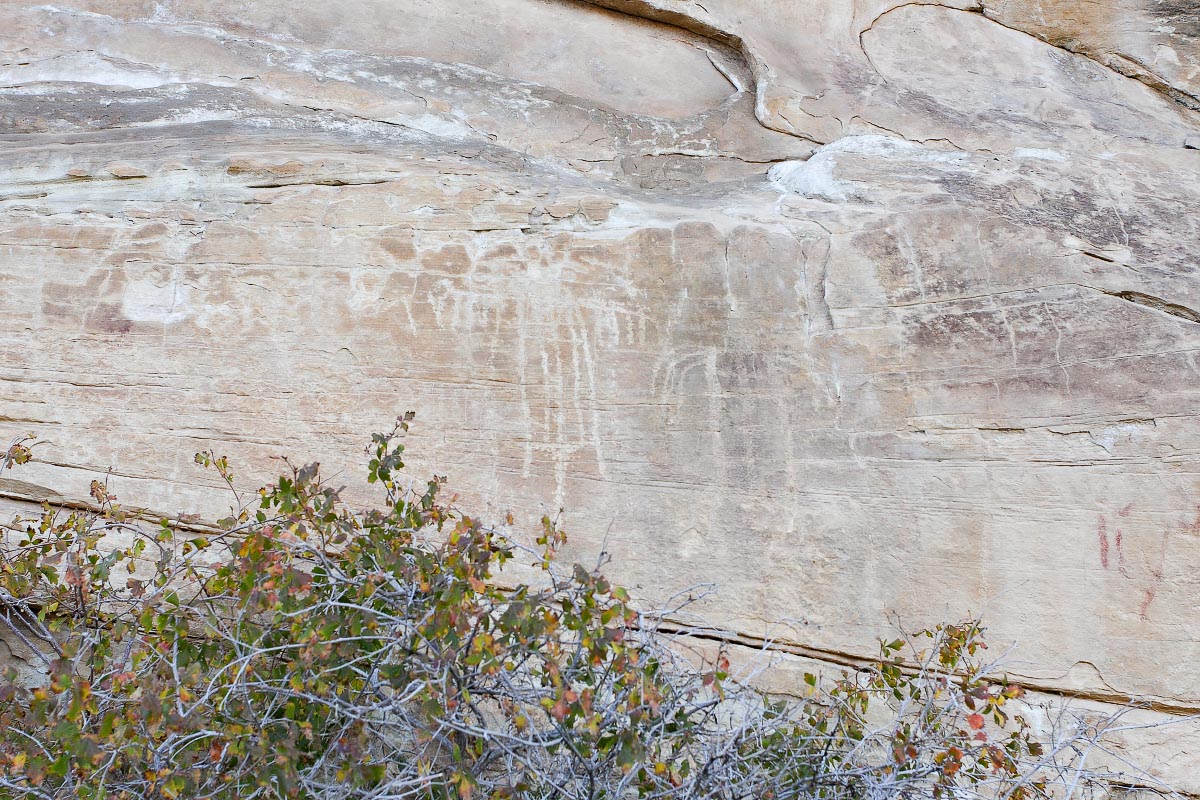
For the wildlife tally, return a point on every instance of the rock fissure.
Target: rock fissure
(858, 661)
(1122, 65)
(319, 182)
(755, 65)
(1157, 303)
(595, 299)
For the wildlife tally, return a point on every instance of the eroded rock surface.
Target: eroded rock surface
(846, 307)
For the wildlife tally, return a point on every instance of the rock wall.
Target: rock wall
(847, 307)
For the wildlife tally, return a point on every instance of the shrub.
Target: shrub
(305, 649)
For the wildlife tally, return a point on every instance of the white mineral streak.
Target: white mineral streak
(846, 306)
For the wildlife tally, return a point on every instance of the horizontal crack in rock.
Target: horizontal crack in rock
(1122, 65)
(1158, 304)
(858, 662)
(317, 182)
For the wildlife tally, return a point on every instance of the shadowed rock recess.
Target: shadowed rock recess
(844, 306)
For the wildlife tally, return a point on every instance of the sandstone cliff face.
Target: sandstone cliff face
(846, 307)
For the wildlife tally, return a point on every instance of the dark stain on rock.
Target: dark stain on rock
(398, 247)
(452, 259)
(1075, 212)
(1182, 15)
(107, 318)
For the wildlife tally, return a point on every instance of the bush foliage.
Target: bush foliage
(307, 649)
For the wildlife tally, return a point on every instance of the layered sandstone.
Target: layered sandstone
(847, 308)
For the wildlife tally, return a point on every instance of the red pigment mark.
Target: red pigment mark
(1143, 612)
(1102, 532)
(1162, 559)
(1124, 512)
(1195, 526)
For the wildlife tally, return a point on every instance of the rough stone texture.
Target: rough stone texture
(1155, 42)
(846, 307)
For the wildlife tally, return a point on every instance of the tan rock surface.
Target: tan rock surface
(1154, 41)
(945, 364)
